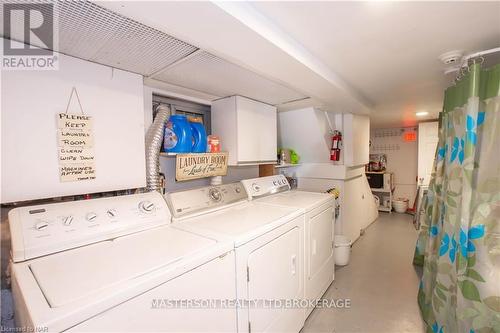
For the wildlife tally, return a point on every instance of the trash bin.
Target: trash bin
(400, 205)
(342, 250)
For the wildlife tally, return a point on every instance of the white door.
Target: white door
(427, 143)
(319, 256)
(257, 131)
(274, 274)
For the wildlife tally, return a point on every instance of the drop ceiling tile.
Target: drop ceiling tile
(210, 74)
(91, 32)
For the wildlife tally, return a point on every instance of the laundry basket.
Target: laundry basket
(342, 250)
(400, 205)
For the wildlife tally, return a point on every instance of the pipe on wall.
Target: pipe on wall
(154, 139)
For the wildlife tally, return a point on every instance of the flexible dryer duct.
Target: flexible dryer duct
(154, 139)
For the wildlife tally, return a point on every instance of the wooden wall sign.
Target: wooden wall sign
(75, 142)
(194, 166)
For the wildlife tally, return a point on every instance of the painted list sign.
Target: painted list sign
(75, 144)
(194, 166)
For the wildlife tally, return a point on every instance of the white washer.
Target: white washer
(319, 227)
(113, 264)
(268, 247)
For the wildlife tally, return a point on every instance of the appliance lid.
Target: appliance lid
(69, 276)
(241, 223)
(300, 199)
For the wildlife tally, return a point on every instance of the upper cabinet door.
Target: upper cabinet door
(356, 139)
(257, 131)
(247, 128)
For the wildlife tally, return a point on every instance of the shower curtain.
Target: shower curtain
(459, 239)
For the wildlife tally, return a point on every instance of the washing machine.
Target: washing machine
(318, 232)
(116, 265)
(268, 247)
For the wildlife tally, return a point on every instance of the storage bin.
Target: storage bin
(400, 205)
(342, 250)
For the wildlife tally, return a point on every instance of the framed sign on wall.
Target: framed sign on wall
(195, 166)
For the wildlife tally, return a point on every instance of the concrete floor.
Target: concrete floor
(380, 282)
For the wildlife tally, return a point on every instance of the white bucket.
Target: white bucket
(342, 250)
(400, 205)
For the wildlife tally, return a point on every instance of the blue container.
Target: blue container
(199, 137)
(177, 137)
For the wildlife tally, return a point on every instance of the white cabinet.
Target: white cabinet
(356, 139)
(247, 129)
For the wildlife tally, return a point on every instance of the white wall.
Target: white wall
(402, 162)
(30, 102)
(307, 132)
(357, 206)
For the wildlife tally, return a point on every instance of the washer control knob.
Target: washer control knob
(91, 217)
(215, 194)
(237, 190)
(42, 225)
(255, 187)
(67, 220)
(146, 206)
(112, 213)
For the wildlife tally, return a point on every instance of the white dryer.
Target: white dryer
(319, 227)
(116, 264)
(268, 246)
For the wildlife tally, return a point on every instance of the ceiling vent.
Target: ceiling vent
(452, 60)
(210, 74)
(91, 32)
(94, 33)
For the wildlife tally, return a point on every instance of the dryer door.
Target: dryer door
(319, 253)
(274, 274)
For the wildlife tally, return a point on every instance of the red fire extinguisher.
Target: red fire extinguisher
(336, 146)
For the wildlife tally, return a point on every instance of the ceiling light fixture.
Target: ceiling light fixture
(421, 113)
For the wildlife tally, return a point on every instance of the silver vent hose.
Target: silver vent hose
(154, 140)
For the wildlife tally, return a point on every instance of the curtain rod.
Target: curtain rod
(481, 53)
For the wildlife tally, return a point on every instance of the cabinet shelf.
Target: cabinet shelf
(164, 154)
(382, 190)
(286, 165)
(167, 154)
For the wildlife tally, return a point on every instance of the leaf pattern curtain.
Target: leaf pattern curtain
(459, 240)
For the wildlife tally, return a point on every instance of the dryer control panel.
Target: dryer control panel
(45, 229)
(204, 199)
(259, 187)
